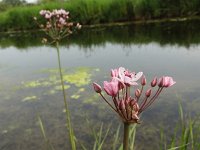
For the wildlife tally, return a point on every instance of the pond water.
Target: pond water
(30, 85)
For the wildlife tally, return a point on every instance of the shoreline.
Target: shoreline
(175, 19)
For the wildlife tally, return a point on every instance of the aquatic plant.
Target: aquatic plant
(57, 26)
(129, 107)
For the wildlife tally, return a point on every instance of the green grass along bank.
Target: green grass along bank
(97, 12)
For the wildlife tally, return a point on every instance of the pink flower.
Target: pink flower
(111, 88)
(114, 73)
(97, 87)
(127, 106)
(62, 21)
(129, 78)
(168, 81)
(42, 12)
(47, 15)
(58, 21)
(121, 84)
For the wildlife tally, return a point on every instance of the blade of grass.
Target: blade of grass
(48, 144)
(163, 142)
(174, 137)
(42, 128)
(98, 136)
(178, 147)
(102, 142)
(116, 136)
(191, 125)
(180, 110)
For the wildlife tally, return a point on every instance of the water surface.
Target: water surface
(30, 82)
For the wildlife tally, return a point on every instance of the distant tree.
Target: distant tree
(14, 2)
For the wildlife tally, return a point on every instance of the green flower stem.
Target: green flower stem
(126, 136)
(71, 133)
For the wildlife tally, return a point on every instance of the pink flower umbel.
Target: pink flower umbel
(57, 24)
(130, 105)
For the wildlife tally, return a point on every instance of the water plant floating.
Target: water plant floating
(129, 107)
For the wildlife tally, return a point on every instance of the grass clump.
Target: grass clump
(185, 136)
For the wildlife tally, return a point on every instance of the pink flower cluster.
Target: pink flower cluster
(57, 13)
(57, 24)
(59, 17)
(119, 88)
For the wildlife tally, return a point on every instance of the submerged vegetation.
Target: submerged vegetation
(89, 12)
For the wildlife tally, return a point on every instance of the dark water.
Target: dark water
(30, 83)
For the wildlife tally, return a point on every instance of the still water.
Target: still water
(30, 84)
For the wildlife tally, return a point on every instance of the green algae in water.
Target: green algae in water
(75, 96)
(29, 98)
(59, 87)
(32, 84)
(81, 90)
(77, 77)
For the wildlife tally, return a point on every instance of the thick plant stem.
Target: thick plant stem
(71, 133)
(126, 136)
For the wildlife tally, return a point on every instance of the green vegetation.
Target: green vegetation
(101, 11)
(185, 136)
(14, 2)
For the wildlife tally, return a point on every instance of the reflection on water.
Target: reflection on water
(30, 81)
(177, 33)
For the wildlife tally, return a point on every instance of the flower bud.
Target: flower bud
(161, 82)
(97, 87)
(134, 105)
(44, 40)
(154, 82)
(148, 93)
(78, 26)
(121, 105)
(143, 80)
(137, 93)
